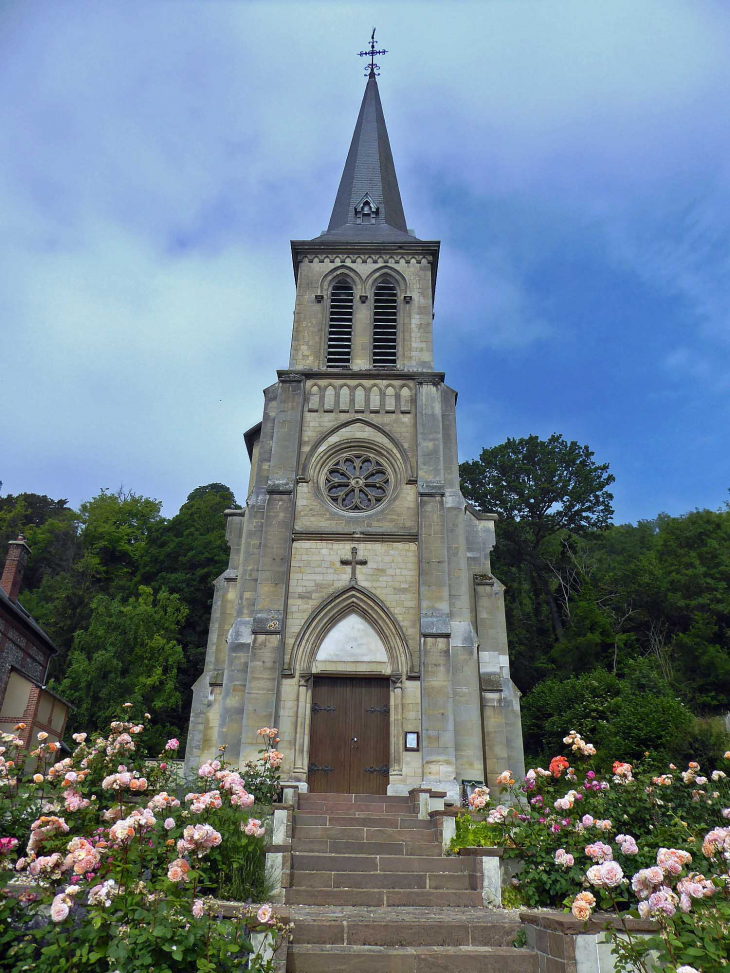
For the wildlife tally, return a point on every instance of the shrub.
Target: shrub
(628, 716)
(634, 841)
(127, 866)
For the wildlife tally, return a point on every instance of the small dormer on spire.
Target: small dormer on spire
(366, 210)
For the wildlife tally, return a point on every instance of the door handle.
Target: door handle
(353, 740)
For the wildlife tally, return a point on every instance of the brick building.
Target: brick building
(25, 654)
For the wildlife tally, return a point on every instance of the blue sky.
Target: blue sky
(572, 157)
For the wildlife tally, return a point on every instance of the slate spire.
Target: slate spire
(368, 204)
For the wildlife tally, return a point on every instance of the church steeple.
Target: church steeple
(368, 206)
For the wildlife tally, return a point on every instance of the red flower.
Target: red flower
(558, 765)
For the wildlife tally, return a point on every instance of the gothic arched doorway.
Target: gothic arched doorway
(349, 749)
(349, 658)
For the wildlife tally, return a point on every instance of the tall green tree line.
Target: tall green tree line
(630, 624)
(639, 612)
(124, 593)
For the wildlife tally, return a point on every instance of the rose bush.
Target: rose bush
(643, 841)
(108, 862)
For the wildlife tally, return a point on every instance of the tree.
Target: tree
(78, 556)
(128, 653)
(115, 543)
(542, 490)
(49, 526)
(185, 555)
(685, 587)
(114, 529)
(17, 513)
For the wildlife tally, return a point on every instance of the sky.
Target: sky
(573, 156)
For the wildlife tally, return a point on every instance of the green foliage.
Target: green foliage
(697, 940)
(559, 812)
(582, 594)
(82, 585)
(472, 833)
(185, 555)
(128, 652)
(127, 867)
(621, 716)
(589, 639)
(541, 489)
(540, 486)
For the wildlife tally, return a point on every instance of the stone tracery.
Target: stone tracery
(356, 481)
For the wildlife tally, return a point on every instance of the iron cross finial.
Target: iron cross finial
(372, 69)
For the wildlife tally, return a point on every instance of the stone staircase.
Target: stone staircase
(371, 890)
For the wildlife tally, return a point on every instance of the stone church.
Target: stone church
(359, 613)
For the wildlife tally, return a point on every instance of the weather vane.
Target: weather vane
(372, 69)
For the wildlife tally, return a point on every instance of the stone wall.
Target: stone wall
(565, 945)
(412, 275)
(391, 573)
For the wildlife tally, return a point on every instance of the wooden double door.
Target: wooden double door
(350, 736)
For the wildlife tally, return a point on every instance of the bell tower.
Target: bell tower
(359, 613)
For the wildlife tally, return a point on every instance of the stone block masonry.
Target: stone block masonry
(357, 447)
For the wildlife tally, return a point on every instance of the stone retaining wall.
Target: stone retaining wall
(564, 944)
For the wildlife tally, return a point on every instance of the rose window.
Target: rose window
(356, 482)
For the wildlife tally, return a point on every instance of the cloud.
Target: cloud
(486, 303)
(159, 156)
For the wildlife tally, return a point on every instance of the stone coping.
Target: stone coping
(228, 909)
(473, 852)
(426, 790)
(225, 907)
(404, 914)
(564, 922)
(283, 807)
(448, 812)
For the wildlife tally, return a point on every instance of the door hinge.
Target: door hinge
(314, 769)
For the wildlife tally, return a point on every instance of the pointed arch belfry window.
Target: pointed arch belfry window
(339, 332)
(385, 324)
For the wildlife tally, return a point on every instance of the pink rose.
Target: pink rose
(59, 910)
(611, 874)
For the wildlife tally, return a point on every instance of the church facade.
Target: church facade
(359, 614)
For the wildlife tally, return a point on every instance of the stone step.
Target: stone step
(380, 880)
(406, 927)
(409, 959)
(332, 806)
(369, 848)
(362, 819)
(418, 836)
(373, 862)
(308, 796)
(432, 898)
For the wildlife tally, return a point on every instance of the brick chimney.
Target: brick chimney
(14, 567)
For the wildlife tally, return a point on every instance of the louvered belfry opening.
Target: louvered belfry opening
(339, 335)
(385, 325)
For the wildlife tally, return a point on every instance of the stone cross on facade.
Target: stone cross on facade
(353, 561)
